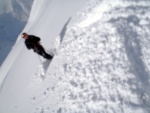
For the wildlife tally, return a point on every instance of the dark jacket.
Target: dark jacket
(32, 42)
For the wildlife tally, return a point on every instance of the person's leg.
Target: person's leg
(43, 53)
(47, 56)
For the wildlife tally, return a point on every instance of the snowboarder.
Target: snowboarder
(33, 42)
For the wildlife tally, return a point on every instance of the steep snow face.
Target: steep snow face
(102, 64)
(18, 8)
(13, 17)
(49, 19)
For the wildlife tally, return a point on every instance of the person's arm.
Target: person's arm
(35, 39)
(27, 45)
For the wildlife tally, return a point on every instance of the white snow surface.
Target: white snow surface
(101, 59)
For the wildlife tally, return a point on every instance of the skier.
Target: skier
(33, 42)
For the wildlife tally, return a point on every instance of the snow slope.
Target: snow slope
(101, 66)
(13, 17)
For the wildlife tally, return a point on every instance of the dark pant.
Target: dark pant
(40, 50)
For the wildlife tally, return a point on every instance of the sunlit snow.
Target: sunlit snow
(101, 59)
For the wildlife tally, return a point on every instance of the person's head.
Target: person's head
(25, 35)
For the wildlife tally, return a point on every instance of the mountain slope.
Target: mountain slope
(101, 65)
(50, 18)
(13, 17)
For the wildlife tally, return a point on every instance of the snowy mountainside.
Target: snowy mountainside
(19, 9)
(101, 66)
(109, 72)
(13, 17)
(48, 19)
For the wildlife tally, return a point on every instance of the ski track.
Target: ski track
(100, 68)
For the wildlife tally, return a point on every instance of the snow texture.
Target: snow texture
(101, 62)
